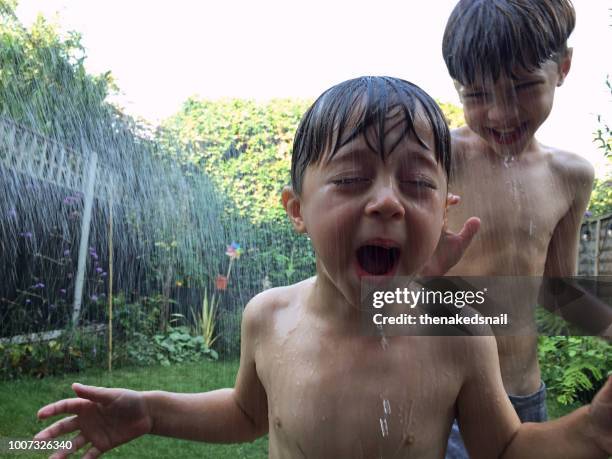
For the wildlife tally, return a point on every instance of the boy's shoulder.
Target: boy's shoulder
(572, 166)
(465, 142)
(263, 307)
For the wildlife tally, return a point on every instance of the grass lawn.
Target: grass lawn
(20, 400)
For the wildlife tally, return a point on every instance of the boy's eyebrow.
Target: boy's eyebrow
(347, 154)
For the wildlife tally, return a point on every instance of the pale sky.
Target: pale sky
(160, 53)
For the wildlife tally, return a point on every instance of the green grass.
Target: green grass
(20, 400)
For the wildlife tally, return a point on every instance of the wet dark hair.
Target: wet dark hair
(349, 109)
(485, 38)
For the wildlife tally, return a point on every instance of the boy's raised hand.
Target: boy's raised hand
(451, 246)
(104, 418)
(600, 414)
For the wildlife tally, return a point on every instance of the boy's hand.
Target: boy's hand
(104, 417)
(451, 246)
(601, 417)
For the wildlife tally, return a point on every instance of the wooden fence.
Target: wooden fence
(30, 153)
(595, 251)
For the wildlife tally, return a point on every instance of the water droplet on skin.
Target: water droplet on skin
(384, 428)
(386, 407)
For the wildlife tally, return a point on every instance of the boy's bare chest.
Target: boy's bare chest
(516, 194)
(342, 400)
(519, 207)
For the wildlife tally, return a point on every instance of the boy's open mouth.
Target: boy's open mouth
(376, 260)
(508, 136)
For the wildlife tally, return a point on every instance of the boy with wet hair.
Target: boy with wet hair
(507, 57)
(370, 166)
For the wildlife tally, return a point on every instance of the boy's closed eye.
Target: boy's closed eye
(527, 86)
(420, 182)
(348, 181)
(476, 96)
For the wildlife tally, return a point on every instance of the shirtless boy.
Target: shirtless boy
(369, 185)
(506, 59)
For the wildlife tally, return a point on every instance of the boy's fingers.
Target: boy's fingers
(95, 394)
(61, 427)
(470, 228)
(92, 453)
(77, 443)
(66, 406)
(605, 394)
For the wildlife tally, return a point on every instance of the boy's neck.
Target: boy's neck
(329, 303)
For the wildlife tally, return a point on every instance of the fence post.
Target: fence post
(110, 276)
(597, 237)
(88, 189)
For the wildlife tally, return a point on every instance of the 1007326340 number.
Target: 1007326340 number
(29, 445)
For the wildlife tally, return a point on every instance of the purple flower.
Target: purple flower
(103, 274)
(94, 297)
(12, 213)
(99, 270)
(72, 199)
(69, 275)
(52, 307)
(588, 214)
(66, 253)
(27, 234)
(39, 285)
(63, 291)
(28, 301)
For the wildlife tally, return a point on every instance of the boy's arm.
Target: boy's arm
(490, 427)
(225, 415)
(590, 313)
(107, 418)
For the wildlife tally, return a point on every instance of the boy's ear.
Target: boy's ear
(458, 88)
(564, 66)
(292, 205)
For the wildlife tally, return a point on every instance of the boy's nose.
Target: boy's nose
(503, 112)
(385, 203)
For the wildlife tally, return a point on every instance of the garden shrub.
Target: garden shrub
(71, 352)
(574, 367)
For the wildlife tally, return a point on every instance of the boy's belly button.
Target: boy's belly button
(408, 439)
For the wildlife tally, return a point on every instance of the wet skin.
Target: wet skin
(530, 199)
